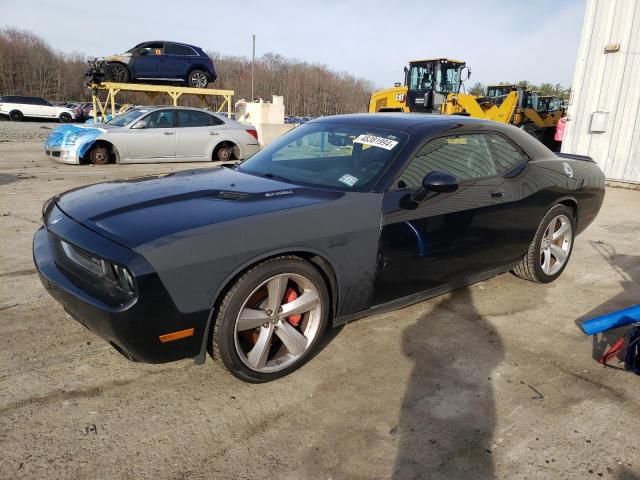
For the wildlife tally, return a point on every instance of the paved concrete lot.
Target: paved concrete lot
(491, 381)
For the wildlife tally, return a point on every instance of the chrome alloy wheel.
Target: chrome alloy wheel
(198, 80)
(555, 245)
(270, 333)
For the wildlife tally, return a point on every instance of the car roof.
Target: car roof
(401, 121)
(164, 107)
(167, 41)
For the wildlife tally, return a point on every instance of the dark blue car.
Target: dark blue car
(162, 61)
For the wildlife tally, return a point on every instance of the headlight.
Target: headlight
(71, 138)
(123, 277)
(115, 274)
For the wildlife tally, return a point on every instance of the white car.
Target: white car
(18, 107)
(154, 134)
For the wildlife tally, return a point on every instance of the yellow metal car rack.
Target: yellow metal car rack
(153, 91)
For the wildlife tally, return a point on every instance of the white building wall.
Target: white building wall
(608, 85)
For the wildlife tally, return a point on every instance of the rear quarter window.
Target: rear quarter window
(183, 50)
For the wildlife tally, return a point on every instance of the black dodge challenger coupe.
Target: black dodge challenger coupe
(340, 218)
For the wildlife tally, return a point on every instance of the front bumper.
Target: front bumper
(132, 326)
(62, 154)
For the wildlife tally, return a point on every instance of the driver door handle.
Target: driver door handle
(169, 133)
(497, 193)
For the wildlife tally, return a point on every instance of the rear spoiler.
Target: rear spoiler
(573, 156)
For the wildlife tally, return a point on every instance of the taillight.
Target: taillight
(253, 132)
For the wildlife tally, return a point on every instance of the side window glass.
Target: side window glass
(193, 118)
(152, 49)
(465, 156)
(505, 154)
(157, 119)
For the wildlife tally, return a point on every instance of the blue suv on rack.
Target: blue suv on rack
(162, 61)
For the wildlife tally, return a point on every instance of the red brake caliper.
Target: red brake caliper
(289, 296)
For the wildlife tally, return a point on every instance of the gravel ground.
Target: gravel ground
(27, 131)
(493, 381)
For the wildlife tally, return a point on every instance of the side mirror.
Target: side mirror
(437, 182)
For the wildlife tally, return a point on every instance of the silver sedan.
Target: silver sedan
(154, 134)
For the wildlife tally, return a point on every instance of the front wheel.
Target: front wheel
(271, 320)
(117, 72)
(64, 117)
(551, 247)
(99, 156)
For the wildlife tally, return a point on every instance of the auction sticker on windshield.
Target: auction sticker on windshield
(376, 141)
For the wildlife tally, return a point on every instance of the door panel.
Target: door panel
(152, 137)
(445, 239)
(151, 143)
(196, 142)
(450, 238)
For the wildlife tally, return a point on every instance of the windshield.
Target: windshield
(127, 118)
(336, 156)
(443, 77)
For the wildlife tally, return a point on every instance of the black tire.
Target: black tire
(222, 346)
(64, 117)
(198, 79)
(530, 267)
(16, 115)
(99, 156)
(118, 72)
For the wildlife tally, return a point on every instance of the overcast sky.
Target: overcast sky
(501, 40)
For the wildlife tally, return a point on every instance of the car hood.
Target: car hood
(136, 211)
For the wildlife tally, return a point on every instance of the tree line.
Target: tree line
(29, 66)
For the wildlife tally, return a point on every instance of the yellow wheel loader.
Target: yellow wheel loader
(427, 83)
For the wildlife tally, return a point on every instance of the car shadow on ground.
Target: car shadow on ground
(448, 412)
(627, 269)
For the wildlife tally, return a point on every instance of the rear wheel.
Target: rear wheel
(224, 154)
(16, 115)
(64, 117)
(271, 320)
(198, 79)
(99, 156)
(226, 151)
(551, 247)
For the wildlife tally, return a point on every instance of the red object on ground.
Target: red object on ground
(609, 354)
(289, 296)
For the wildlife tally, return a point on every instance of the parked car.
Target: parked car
(19, 107)
(154, 134)
(340, 218)
(162, 61)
